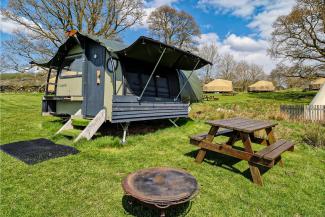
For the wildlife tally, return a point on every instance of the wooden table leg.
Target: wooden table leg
(202, 152)
(271, 139)
(200, 155)
(255, 172)
(270, 135)
(247, 142)
(231, 141)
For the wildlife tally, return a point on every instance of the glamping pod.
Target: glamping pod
(316, 84)
(218, 85)
(261, 86)
(105, 80)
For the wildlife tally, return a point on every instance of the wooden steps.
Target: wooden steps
(72, 133)
(78, 128)
(93, 126)
(80, 122)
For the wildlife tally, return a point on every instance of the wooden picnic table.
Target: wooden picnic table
(237, 129)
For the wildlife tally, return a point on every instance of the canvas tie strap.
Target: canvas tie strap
(197, 63)
(153, 71)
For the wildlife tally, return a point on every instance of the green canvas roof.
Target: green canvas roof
(111, 45)
(143, 49)
(149, 50)
(193, 88)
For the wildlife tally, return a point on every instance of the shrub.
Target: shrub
(314, 135)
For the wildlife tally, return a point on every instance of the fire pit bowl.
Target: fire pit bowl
(161, 187)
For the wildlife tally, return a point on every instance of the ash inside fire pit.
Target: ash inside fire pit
(161, 187)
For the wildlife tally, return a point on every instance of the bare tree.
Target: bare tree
(173, 27)
(247, 74)
(226, 67)
(279, 76)
(300, 37)
(242, 78)
(46, 21)
(209, 51)
(256, 73)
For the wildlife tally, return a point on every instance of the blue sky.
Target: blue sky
(239, 27)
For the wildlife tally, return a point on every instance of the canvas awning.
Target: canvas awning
(143, 49)
(149, 50)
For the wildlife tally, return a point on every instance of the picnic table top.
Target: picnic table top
(242, 124)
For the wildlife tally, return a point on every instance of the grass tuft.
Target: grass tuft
(314, 135)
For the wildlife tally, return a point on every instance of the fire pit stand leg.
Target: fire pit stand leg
(162, 213)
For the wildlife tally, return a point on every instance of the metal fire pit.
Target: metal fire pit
(161, 187)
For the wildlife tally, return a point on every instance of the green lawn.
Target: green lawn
(89, 183)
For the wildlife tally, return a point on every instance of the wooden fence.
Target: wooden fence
(315, 113)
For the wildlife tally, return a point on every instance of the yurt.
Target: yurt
(218, 85)
(315, 110)
(319, 99)
(316, 84)
(261, 86)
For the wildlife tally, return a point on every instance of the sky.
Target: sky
(239, 27)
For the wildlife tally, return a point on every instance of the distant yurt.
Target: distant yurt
(315, 110)
(218, 85)
(261, 86)
(316, 84)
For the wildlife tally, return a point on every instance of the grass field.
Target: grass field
(89, 183)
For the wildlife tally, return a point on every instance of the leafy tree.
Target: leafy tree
(279, 76)
(299, 37)
(173, 27)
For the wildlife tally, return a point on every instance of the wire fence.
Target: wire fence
(314, 113)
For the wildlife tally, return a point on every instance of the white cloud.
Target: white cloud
(261, 13)
(7, 26)
(207, 38)
(10, 27)
(262, 22)
(240, 8)
(244, 43)
(158, 3)
(242, 48)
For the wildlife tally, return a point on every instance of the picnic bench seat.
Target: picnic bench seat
(196, 139)
(272, 152)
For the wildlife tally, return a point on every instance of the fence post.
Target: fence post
(314, 113)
